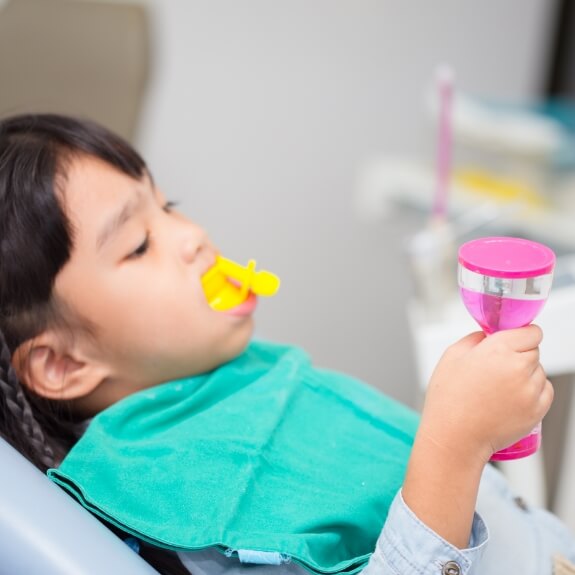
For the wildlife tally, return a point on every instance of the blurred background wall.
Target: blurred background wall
(260, 115)
(257, 116)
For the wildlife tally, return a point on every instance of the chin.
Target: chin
(243, 344)
(240, 341)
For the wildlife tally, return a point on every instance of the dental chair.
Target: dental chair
(86, 58)
(43, 531)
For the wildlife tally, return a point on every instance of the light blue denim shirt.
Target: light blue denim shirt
(406, 545)
(520, 541)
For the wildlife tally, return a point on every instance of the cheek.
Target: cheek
(156, 311)
(139, 291)
(146, 309)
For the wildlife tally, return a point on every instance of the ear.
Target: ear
(55, 369)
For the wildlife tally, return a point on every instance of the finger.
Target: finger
(539, 376)
(521, 339)
(531, 358)
(546, 398)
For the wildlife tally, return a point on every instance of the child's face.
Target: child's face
(135, 275)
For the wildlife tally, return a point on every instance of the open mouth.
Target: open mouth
(232, 288)
(245, 308)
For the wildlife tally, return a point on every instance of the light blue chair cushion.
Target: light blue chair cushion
(45, 532)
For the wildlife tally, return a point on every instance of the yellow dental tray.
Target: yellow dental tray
(227, 284)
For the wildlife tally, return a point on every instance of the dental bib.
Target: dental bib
(266, 457)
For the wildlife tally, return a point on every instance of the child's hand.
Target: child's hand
(487, 392)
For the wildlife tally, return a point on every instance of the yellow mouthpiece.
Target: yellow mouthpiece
(227, 284)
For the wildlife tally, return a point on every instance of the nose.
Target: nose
(193, 240)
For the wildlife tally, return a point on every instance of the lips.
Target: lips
(246, 308)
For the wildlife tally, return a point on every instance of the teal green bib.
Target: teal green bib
(265, 454)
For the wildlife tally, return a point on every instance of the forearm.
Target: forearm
(441, 488)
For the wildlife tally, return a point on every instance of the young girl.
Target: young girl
(101, 301)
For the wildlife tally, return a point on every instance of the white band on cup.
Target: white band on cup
(535, 288)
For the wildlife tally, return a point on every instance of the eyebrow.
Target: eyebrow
(118, 220)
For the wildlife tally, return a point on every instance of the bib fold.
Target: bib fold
(265, 454)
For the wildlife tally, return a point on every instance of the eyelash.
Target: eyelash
(143, 247)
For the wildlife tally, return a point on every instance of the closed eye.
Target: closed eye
(145, 245)
(141, 249)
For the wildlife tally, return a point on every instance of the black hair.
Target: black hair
(36, 241)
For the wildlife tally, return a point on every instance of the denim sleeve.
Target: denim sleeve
(407, 545)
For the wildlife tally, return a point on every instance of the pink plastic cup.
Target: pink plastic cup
(504, 283)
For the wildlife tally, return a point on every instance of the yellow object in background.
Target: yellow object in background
(500, 189)
(227, 284)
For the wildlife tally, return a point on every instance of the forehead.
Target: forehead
(91, 185)
(93, 192)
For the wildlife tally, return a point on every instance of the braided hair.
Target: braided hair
(18, 417)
